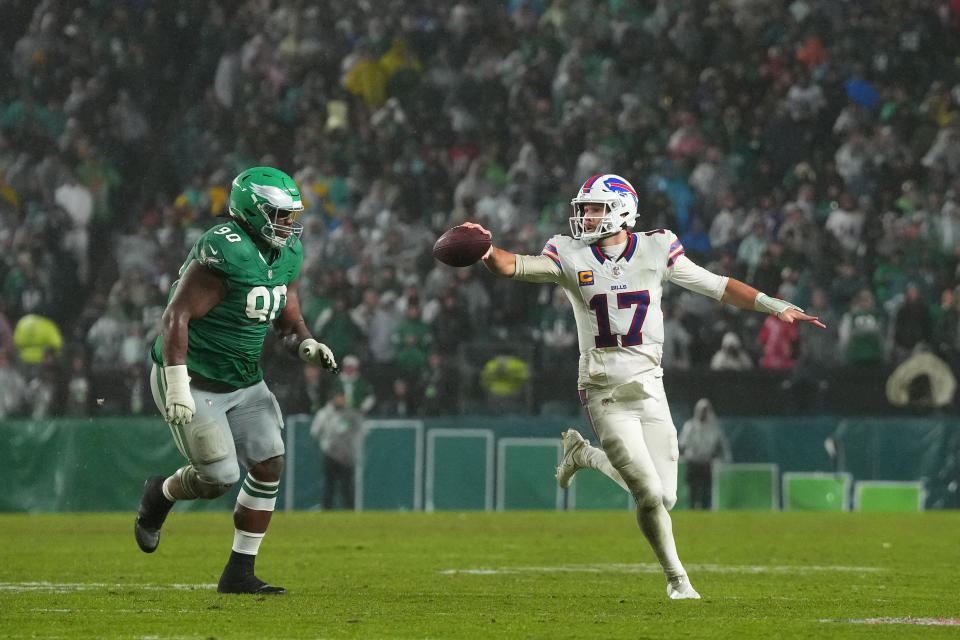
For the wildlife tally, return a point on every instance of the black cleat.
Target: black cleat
(153, 510)
(238, 577)
(250, 584)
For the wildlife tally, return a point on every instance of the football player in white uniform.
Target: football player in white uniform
(614, 279)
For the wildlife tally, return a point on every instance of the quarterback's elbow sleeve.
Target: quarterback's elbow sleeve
(537, 269)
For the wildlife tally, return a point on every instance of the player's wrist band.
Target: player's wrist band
(773, 306)
(307, 348)
(177, 378)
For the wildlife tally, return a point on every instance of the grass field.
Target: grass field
(484, 575)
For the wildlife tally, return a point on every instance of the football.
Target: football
(461, 246)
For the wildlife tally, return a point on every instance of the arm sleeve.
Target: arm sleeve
(690, 275)
(540, 268)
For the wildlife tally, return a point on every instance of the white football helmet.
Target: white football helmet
(620, 212)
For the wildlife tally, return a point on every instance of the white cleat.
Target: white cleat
(680, 589)
(572, 442)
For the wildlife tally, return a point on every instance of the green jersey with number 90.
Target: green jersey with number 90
(225, 344)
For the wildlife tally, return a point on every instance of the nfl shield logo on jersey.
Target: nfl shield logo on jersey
(269, 274)
(617, 270)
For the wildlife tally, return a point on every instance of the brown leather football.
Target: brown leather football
(461, 246)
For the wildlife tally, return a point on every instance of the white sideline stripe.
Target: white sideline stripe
(650, 567)
(68, 587)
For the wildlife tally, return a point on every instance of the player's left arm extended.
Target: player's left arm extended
(742, 295)
(297, 338)
(731, 291)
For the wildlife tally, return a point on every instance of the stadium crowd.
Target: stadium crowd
(809, 147)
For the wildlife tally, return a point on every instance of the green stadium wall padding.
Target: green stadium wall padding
(460, 470)
(389, 473)
(746, 486)
(87, 464)
(525, 473)
(591, 490)
(805, 491)
(888, 496)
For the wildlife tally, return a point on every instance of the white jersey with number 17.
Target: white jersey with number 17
(616, 300)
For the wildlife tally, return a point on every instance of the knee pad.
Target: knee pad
(208, 443)
(196, 487)
(669, 502)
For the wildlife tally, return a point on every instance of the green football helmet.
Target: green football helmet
(262, 196)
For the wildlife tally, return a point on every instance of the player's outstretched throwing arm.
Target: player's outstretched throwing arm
(528, 268)
(296, 337)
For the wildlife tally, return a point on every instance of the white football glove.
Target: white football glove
(179, 406)
(317, 353)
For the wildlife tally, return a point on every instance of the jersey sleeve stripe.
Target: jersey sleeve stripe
(675, 245)
(556, 260)
(631, 247)
(673, 256)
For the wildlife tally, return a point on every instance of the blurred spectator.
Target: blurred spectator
(338, 330)
(862, 331)
(676, 338)
(42, 388)
(339, 431)
(78, 388)
(702, 441)
(411, 341)
(35, 337)
(505, 380)
(731, 356)
(912, 324)
(6, 331)
(946, 326)
(356, 389)
(780, 344)
(13, 388)
(450, 322)
(845, 224)
(398, 403)
(440, 385)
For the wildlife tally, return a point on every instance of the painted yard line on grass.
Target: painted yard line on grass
(70, 587)
(649, 567)
(923, 622)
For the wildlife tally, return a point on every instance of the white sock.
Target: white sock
(246, 542)
(593, 458)
(657, 528)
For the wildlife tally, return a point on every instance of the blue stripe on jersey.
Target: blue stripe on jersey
(631, 247)
(598, 254)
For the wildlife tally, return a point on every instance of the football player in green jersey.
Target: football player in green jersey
(239, 278)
